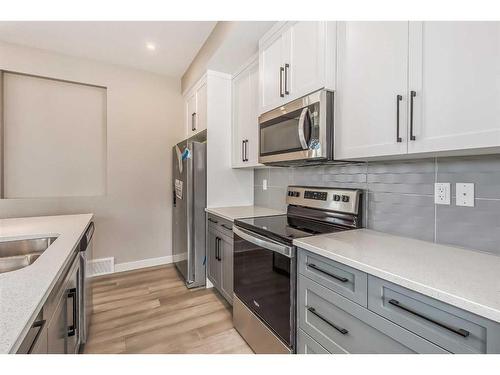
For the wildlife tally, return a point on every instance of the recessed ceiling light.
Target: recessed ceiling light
(150, 46)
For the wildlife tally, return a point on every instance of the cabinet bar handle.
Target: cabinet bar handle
(212, 220)
(458, 331)
(315, 267)
(246, 150)
(217, 248)
(72, 327)
(341, 330)
(193, 121)
(243, 150)
(398, 99)
(282, 70)
(225, 226)
(412, 96)
(287, 66)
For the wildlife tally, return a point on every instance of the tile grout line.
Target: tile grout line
(435, 205)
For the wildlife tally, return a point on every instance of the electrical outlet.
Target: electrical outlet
(264, 184)
(442, 193)
(465, 194)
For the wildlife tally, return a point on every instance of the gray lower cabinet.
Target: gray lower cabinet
(220, 255)
(454, 329)
(342, 326)
(306, 345)
(214, 269)
(56, 329)
(227, 268)
(344, 310)
(344, 280)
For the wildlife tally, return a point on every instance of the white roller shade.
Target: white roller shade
(54, 138)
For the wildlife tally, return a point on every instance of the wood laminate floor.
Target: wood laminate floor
(152, 311)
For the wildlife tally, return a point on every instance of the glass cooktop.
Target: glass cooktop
(285, 228)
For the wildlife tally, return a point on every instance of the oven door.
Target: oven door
(298, 130)
(264, 280)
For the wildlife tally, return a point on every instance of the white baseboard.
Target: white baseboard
(143, 263)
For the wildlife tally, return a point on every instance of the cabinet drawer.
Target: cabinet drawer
(347, 281)
(454, 329)
(222, 225)
(306, 345)
(342, 326)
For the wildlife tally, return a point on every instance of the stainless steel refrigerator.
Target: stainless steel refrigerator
(189, 202)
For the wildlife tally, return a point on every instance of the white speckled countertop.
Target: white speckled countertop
(23, 292)
(238, 212)
(463, 278)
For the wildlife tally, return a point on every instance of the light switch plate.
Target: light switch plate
(465, 194)
(264, 184)
(442, 193)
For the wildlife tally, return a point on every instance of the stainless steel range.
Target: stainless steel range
(265, 264)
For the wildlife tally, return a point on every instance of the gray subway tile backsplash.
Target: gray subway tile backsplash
(483, 171)
(399, 196)
(406, 215)
(475, 227)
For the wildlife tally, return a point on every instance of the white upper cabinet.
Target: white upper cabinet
(295, 59)
(195, 104)
(305, 64)
(245, 127)
(271, 61)
(455, 74)
(448, 76)
(372, 85)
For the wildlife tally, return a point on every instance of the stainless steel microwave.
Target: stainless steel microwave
(300, 132)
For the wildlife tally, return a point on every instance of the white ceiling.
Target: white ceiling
(123, 43)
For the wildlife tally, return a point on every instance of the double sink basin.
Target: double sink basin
(18, 254)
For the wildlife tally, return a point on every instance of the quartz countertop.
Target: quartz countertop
(239, 212)
(23, 292)
(463, 278)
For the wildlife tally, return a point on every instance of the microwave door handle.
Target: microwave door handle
(258, 240)
(302, 120)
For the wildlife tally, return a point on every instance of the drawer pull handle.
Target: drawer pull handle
(458, 331)
(212, 220)
(339, 278)
(341, 330)
(225, 226)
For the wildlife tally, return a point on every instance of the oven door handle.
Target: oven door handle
(263, 242)
(302, 121)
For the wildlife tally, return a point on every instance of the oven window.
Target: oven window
(281, 135)
(262, 283)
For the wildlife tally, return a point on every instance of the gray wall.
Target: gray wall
(399, 196)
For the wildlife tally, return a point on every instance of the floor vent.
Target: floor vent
(102, 266)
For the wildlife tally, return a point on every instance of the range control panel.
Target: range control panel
(342, 200)
(317, 195)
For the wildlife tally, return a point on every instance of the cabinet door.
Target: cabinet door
(271, 61)
(227, 268)
(372, 71)
(455, 73)
(245, 117)
(251, 132)
(214, 267)
(305, 56)
(40, 346)
(201, 108)
(57, 329)
(190, 104)
(241, 116)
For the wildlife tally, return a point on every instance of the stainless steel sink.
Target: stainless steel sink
(21, 253)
